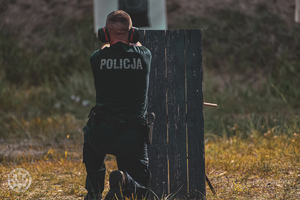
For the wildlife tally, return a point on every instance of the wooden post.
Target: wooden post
(297, 11)
(158, 151)
(176, 112)
(176, 155)
(195, 121)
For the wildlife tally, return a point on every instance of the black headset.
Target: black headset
(134, 35)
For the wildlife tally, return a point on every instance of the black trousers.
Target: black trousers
(131, 153)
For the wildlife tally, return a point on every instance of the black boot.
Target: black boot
(117, 182)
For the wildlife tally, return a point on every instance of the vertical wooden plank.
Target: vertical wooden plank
(155, 42)
(195, 121)
(176, 111)
(142, 37)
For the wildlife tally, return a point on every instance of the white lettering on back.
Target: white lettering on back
(139, 64)
(109, 63)
(134, 64)
(126, 65)
(103, 62)
(121, 62)
(115, 64)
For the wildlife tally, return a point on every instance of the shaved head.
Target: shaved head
(118, 23)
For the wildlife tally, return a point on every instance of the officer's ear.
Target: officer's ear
(103, 35)
(134, 35)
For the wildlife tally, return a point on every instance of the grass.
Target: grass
(251, 70)
(246, 72)
(263, 167)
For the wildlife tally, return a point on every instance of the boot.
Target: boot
(117, 182)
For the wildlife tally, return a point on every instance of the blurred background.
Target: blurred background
(251, 66)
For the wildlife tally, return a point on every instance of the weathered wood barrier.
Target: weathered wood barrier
(176, 155)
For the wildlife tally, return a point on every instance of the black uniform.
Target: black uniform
(121, 77)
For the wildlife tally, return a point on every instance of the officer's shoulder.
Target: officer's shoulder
(143, 49)
(95, 53)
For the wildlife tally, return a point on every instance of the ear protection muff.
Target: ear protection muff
(103, 35)
(133, 36)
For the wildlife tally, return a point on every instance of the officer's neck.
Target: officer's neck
(114, 41)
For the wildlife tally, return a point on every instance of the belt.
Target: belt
(120, 121)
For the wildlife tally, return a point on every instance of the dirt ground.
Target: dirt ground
(29, 17)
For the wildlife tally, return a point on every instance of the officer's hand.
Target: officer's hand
(105, 45)
(136, 44)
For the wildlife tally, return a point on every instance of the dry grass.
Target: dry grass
(265, 167)
(58, 178)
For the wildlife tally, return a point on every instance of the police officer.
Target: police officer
(116, 126)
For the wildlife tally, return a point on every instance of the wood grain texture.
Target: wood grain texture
(155, 42)
(176, 111)
(142, 37)
(174, 53)
(195, 121)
